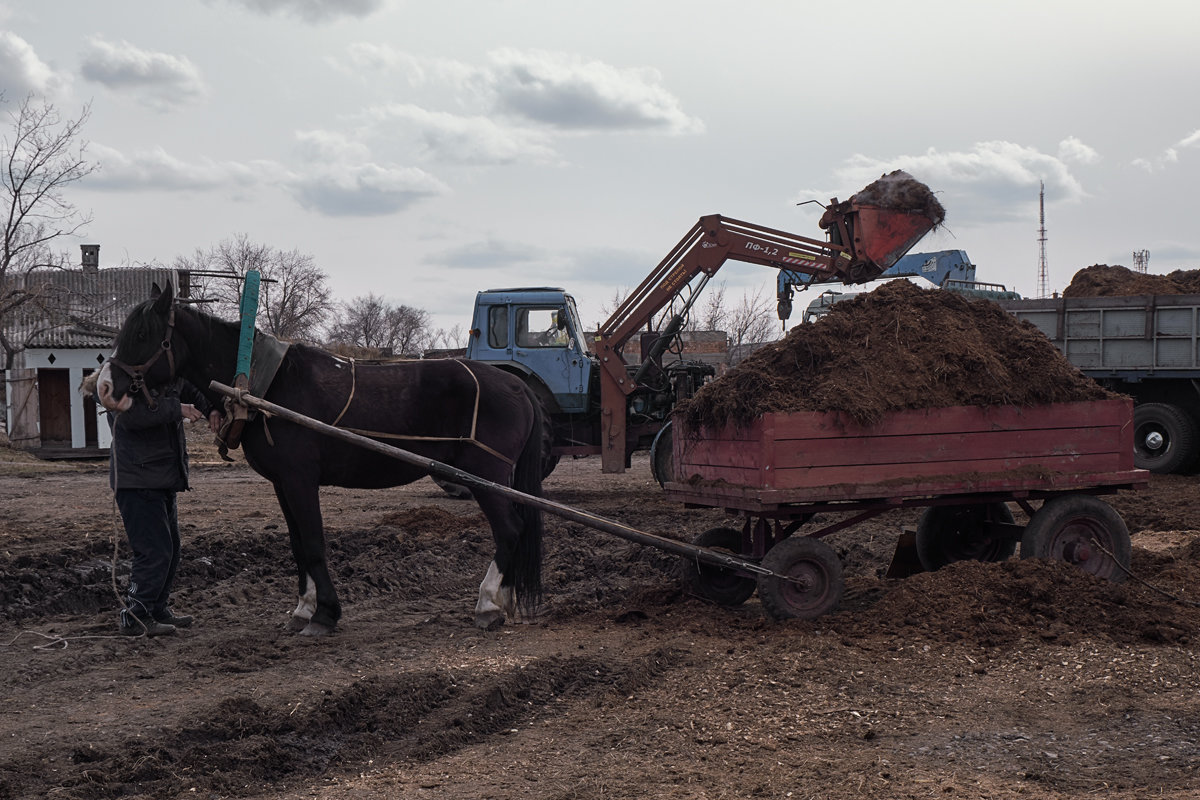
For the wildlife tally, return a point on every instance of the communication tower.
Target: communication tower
(1141, 260)
(1042, 289)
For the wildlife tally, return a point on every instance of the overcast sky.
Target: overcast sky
(425, 150)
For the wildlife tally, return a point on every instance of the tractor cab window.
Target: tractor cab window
(498, 327)
(541, 327)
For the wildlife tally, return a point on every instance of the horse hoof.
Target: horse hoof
(489, 621)
(316, 629)
(297, 624)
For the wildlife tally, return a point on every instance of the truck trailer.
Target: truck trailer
(1147, 347)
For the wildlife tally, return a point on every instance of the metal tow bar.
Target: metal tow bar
(450, 473)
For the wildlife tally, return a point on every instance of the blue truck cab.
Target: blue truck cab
(535, 332)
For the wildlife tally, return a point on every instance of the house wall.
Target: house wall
(77, 362)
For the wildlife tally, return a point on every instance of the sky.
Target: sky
(422, 151)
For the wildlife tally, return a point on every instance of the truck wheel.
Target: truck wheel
(1081, 530)
(811, 582)
(662, 455)
(947, 534)
(725, 587)
(1164, 438)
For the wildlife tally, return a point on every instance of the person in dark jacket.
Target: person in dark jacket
(147, 467)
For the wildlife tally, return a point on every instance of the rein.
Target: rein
(137, 374)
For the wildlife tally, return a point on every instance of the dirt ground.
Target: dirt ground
(1020, 679)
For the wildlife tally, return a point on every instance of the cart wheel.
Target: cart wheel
(812, 585)
(1079, 529)
(947, 534)
(725, 587)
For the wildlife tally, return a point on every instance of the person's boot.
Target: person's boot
(169, 617)
(144, 624)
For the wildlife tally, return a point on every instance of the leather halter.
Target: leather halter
(137, 374)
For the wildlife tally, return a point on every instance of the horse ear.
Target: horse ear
(162, 298)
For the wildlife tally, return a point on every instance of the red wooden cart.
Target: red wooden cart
(964, 463)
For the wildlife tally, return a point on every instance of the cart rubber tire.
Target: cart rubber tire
(1164, 438)
(725, 587)
(1068, 528)
(662, 455)
(947, 534)
(816, 584)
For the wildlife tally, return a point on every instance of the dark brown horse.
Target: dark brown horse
(469, 415)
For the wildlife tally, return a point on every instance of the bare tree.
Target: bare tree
(372, 323)
(40, 156)
(752, 321)
(454, 338)
(294, 297)
(712, 314)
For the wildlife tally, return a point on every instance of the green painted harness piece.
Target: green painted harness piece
(249, 314)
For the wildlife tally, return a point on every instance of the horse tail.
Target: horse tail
(527, 477)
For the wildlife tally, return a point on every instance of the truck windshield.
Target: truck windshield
(541, 327)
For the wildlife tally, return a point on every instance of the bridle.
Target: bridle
(137, 375)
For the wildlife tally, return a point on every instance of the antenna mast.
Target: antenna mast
(1042, 289)
(1141, 260)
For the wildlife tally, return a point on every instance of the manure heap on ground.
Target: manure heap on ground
(898, 347)
(1101, 280)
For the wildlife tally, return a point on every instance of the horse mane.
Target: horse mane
(133, 337)
(143, 329)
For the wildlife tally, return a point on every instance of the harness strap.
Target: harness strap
(137, 374)
(469, 439)
(350, 399)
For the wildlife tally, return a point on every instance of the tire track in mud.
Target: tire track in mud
(237, 745)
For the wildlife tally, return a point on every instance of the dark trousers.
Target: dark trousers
(152, 526)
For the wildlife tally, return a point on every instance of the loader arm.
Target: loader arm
(863, 241)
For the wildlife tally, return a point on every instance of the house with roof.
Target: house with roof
(69, 333)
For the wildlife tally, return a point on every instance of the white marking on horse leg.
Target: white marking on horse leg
(308, 602)
(495, 601)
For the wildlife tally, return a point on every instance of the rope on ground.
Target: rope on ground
(56, 641)
(1143, 581)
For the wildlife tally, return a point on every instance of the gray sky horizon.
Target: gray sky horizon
(425, 151)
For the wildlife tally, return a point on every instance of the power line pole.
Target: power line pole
(1042, 288)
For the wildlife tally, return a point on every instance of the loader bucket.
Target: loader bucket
(883, 235)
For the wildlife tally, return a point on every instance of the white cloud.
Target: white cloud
(156, 169)
(313, 10)
(1074, 151)
(336, 177)
(22, 72)
(159, 80)
(992, 179)
(365, 60)
(455, 139)
(568, 92)
(557, 90)
(1169, 155)
(340, 180)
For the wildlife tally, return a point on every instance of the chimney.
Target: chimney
(90, 255)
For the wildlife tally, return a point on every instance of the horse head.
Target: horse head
(146, 356)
